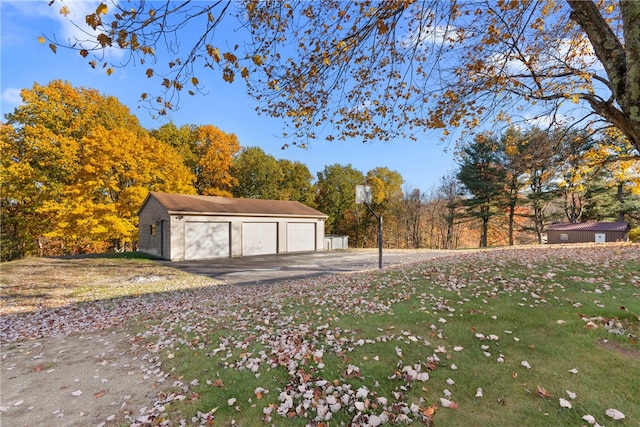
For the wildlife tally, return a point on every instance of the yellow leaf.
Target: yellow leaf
(194, 81)
(149, 72)
(84, 53)
(93, 64)
(144, 96)
(214, 52)
(257, 59)
(53, 47)
(244, 73)
(109, 71)
(102, 9)
(64, 10)
(41, 40)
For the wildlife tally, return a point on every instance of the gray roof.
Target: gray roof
(193, 204)
(589, 226)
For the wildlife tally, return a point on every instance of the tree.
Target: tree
(207, 151)
(483, 175)
(450, 191)
(76, 166)
(297, 182)
(336, 186)
(379, 70)
(386, 192)
(258, 174)
(536, 148)
(574, 173)
(412, 211)
(515, 167)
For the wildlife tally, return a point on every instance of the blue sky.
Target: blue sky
(24, 61)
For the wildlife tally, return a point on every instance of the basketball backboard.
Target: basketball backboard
(363, 194)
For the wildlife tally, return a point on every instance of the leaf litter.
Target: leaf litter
(298, 342)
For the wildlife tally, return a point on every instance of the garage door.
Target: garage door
(259, 238)
(301, 236)
(205, 240)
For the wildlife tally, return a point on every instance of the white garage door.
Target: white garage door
(259, 238)
(205, 240)
(301, 236)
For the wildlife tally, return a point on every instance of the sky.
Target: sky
(24, 61)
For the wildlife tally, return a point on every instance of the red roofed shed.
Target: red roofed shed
(588, 232)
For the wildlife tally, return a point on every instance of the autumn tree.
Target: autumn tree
(380, 70)
(515, 167)
(207, 151)
(450, 192)
(536, 148)
(412, 213)
(616, 175)
(573, 170)
(387, 195)
(336, 197)
(76, 167)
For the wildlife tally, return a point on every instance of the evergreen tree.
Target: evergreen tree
(483, 175)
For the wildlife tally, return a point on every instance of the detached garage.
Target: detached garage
(586, 232)
(182, 227)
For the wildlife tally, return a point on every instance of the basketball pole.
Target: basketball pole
(379, 218)
(363, 195)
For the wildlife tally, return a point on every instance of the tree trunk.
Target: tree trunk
(621, 61)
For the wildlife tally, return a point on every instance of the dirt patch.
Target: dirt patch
(618, 348)
(103, 378)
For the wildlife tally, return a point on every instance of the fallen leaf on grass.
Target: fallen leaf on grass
(479, 392)
(564, 403)
(571, 394)
(589, 418)
(76, 393)
(525, 364)
(542, 392)
(100, 393)
(615, 414)
(446, 403)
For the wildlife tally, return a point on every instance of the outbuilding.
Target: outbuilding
(181, 227)
(588, 232)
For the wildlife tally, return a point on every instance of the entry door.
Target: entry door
(601, 237)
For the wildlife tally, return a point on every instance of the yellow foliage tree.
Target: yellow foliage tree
(207, 151)
(79, 164)
(217, 150)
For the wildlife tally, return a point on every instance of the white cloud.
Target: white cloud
(431, 35)
(11, 96)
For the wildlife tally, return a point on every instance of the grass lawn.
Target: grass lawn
(541, 336)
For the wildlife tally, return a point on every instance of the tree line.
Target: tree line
(76, 166)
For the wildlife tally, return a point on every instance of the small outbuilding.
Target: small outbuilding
(180, 227)
(588, 232)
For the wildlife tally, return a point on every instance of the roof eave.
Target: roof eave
(189, 213)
